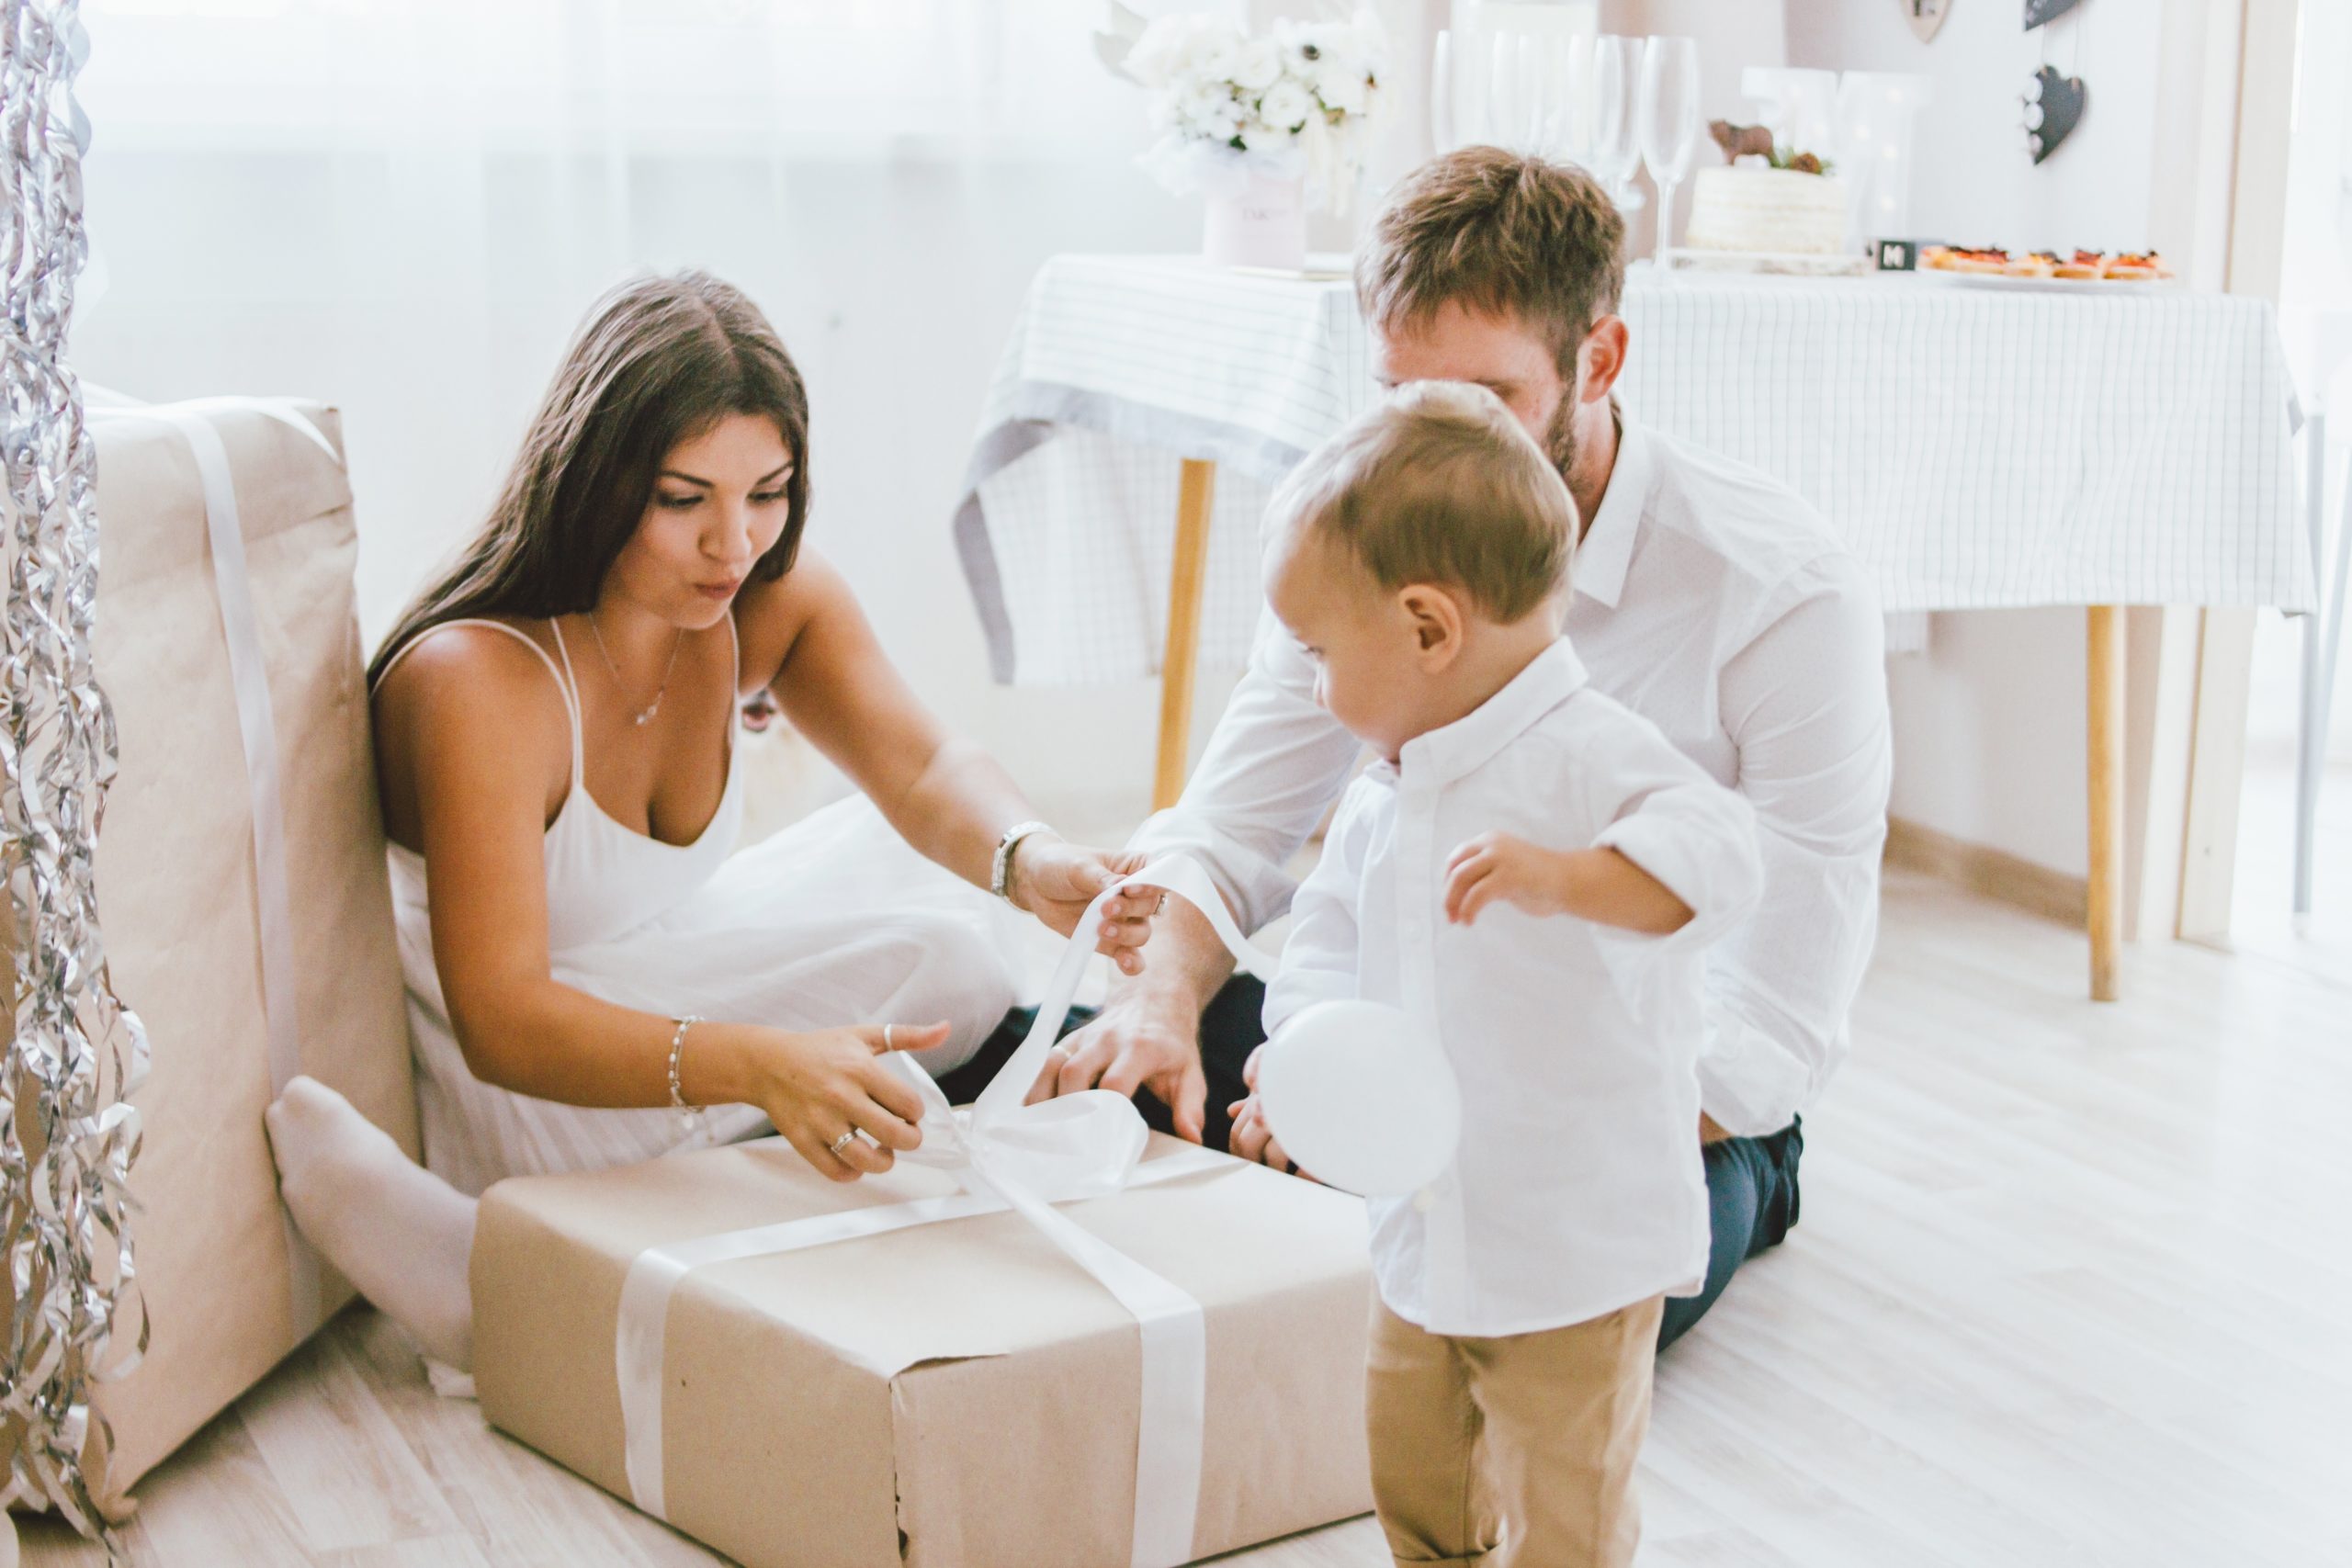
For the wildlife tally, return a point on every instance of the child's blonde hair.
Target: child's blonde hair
(1438, 483)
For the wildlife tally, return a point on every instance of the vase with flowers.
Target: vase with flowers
(1267, 125)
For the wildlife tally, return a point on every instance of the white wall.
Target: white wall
(894, 276)
(1973, 181)
(1989, 720)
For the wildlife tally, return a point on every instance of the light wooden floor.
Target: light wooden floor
(2071, 1287)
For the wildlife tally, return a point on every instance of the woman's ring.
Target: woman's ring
(838, 1145)
(888, 1029)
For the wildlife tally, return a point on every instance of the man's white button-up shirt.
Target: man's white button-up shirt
(1716, 604)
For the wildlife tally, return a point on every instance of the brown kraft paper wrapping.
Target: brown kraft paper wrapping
(176, 884)
(956, 1395)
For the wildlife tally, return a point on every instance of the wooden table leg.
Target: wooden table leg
(2106, 758)
(1194, 492)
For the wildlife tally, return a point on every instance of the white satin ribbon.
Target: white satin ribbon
(257, 728)
(1179, 874)
(1004, 1154)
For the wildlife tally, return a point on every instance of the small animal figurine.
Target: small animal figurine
(1740, 139)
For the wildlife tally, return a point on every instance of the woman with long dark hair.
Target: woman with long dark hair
(595, 977)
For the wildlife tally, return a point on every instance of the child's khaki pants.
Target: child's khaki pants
(1515, 1453)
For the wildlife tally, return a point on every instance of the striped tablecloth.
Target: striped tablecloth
(1978, 447)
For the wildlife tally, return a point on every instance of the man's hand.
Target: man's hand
(1252, 1138)
(1056, 881)
(1146, 1037)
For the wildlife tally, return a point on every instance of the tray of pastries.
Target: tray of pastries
(1990, 267)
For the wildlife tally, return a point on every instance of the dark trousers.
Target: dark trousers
(1751, 1203)
(1751, 1183)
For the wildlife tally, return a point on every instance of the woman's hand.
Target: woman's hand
(817, 1085)
(1056, 881)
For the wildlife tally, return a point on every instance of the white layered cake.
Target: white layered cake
(1781, 211)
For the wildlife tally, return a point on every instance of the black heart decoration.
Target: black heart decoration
(2040, 11)
(2053, 106)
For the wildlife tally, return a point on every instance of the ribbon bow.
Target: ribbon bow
(1075, 1145)
(1004, 1154)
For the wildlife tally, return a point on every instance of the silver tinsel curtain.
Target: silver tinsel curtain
(67, 1137)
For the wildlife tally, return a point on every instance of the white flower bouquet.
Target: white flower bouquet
(1294, 103)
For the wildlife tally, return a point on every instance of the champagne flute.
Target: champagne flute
(1568, 132)
(1539, 82)
(1507, 92)
(1616, 149)
(1555, 75)
(1442, 93)
(1533, 91)
(1669, 121)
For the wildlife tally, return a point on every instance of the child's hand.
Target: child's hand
(1252, 1139)
(1598, 885)
(1496, 867)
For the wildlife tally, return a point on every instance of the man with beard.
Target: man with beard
(1708, 598)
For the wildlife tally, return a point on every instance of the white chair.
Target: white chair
(2326, 344)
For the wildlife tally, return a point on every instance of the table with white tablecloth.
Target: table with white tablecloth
(1976, 447)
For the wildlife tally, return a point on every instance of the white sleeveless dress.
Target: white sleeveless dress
(834, 920)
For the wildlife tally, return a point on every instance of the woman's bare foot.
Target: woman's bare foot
(400, 1232)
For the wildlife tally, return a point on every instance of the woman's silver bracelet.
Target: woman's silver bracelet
(1001, 867)
(677, 1094)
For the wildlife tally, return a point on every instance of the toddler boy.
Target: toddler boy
(1532, 872)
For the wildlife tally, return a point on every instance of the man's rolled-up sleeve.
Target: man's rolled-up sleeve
(1805, 701)
(1274, 764)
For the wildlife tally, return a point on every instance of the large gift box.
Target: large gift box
(228, 546)
(921, 1375)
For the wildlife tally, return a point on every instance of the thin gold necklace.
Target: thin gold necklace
(646, 713)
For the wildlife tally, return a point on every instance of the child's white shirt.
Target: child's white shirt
(1579, 1187)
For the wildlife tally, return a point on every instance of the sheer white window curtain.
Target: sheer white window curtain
(404, 205)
